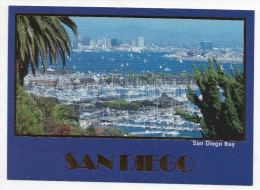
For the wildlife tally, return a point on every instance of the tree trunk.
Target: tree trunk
(22, 70)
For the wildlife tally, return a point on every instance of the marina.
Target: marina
(138, 93)
(88, 93)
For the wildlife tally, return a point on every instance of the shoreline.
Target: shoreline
(220, 60)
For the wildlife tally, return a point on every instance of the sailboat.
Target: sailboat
(50, 69)
(222, 68)
(231, 66)
(180, 60)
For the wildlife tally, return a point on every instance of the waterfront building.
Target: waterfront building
(206, 45)
(80, 47)
(99, 43)
(108, 42)
(85, 41)
(104, 42)
(132, 43)
(75, 44)
(92, 43)
(114, 42)
(140, 42)
(43, 82)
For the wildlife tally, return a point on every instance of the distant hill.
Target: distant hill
(177, 36)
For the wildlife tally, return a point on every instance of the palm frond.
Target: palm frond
(43, 36)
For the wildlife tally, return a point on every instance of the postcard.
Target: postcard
(130, 95)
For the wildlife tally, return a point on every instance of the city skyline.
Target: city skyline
(162, 31)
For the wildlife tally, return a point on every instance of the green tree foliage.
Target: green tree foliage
(45, 116)
(41, 36)
(113, 131)
(118, 104)
(222, 101)
(194, 118)
(64, 113)
(54, 114)
(63, 121)
(122, 104)
(134, 105)
(29, 118)
(90, 130)
(45, 104)
(184, 74)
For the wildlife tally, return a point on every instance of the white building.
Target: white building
(132, 43)
(140, 42)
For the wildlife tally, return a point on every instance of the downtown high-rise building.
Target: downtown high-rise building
(132, 43)
(140, 42)
(114, 42)
(206, 45)
(104, 42)
(85, 41)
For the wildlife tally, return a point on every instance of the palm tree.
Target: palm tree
(44, 37)
(64, 113)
